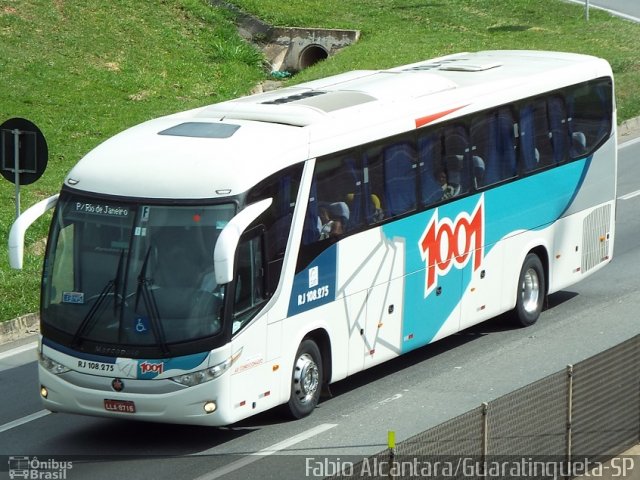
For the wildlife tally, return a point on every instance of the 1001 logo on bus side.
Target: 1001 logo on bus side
(445, 243)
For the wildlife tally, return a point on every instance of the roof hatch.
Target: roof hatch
(201, 130)
(464, 65)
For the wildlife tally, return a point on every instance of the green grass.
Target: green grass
(396, 32)
(84, 70)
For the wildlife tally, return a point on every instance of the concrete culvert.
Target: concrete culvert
(311, 55)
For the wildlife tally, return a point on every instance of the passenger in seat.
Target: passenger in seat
(448, 190)
(338, 216)
(325, 220)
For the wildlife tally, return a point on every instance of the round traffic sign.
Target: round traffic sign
(22, 139)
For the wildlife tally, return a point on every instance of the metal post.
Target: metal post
(569, 430)
(16, 167)
(391, 443)
(586, 10)
(485, 437)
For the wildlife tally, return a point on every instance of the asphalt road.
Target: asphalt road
(625, 8)
(407, 395)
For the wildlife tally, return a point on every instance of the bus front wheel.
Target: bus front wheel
(531, 291)
(306, 380)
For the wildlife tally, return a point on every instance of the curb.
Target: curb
(629, 129)
(20, 327)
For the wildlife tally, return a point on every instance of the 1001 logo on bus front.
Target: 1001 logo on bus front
(445, 244)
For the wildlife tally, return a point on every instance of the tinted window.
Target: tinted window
(283, 189)
(493, 152)
(590, 108)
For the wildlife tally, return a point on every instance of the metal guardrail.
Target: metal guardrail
(586, 413)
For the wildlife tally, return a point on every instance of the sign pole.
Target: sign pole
(16, 166)
(30, 154)
(586, 9)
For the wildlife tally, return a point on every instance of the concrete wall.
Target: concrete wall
(289, 49)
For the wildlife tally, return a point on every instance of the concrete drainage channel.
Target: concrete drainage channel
(290, 49)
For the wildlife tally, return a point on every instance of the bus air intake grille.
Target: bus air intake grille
(595, 237)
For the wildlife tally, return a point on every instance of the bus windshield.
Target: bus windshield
(133, 275)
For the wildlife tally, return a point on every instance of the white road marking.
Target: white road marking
(254, 457)
(18, 350)
(390, 399)
(629, 195)
(23, 420)
(628, 143)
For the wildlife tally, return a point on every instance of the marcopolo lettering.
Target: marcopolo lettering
(445, 243)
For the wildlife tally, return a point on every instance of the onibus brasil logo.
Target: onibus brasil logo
(33, 468)
(445, 244)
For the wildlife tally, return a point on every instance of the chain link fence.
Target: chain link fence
(582, 415)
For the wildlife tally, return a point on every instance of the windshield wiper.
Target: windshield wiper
(88, 321)
(144, 290)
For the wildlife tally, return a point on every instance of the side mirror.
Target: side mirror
(225, 250)
(20, 226)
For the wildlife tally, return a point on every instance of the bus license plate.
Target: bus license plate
(123, 406)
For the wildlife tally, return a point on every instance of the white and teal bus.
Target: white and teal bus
(209, 265)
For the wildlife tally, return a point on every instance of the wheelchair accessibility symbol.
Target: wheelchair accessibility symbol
(141, 324)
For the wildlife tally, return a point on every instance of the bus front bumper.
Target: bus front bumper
(144, 400)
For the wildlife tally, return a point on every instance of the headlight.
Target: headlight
(52, 366)
(208, 374)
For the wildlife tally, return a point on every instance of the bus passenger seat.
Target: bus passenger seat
(578, 143)
(378, 213)
(478, 171)
(454, 170)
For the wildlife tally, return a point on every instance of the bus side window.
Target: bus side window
(559, 128)
(589, 108)
(373, 195)
(249, 281)
(493, 150)
(283, 188)
(390, 180)
(534, 145)
(429, 166)
(400, 177)
(457, 153)
(336, 198)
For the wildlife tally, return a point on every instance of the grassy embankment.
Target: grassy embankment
(82, 71)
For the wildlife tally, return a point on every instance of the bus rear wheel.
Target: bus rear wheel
(306, 380)
(531, 291)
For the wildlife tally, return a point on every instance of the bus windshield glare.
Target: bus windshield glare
(133, 275)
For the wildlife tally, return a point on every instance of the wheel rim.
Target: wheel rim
(306, 378)
(530, 291)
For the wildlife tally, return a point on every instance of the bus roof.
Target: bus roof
(225, 148)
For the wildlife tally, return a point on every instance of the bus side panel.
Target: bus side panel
(368, 264)
(583, 245)
(254, 383)
(456, 244)
(482, 298)
(385, 307)
(567, 252)
(598, 184)
(425, 262)
(584, 237)
(343, 319)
